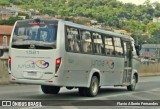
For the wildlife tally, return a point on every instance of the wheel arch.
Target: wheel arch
(94, 72)
(136, 75)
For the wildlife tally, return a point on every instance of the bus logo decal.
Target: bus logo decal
(42, 64)
(33, 64)
(110, 64)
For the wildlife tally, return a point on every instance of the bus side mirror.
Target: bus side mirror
(138, 48)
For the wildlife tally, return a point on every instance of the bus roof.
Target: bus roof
(126, 37)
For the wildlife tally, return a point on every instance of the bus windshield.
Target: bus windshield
(35, 34)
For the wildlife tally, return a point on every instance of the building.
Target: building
(6, 13)
(156, 19)
(150, 51)
(5, 33)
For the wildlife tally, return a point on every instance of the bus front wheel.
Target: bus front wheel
(50, 89)
(133, 84)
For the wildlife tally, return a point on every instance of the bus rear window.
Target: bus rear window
(35, 34)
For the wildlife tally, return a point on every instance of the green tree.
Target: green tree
(136, 19)
(4, 2)
(153, 27)
(10, 21)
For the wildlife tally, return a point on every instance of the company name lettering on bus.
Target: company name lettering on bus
(109, 63)
(32, 52)
(98, 63)
(31, 64)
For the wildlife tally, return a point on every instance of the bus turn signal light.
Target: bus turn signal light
(9, 63)
(58, 62)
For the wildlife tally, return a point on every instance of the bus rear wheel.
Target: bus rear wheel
(133, 84)
(50, 89)
(92, 90)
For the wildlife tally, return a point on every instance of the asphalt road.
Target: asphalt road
(148, 88)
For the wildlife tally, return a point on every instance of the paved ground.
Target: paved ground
(147, 89)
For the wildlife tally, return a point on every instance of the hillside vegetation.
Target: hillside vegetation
(133, 18)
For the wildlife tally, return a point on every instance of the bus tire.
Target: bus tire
(50, 89)
(133, 85)
(94, 87)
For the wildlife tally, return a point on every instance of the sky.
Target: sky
(137, 2)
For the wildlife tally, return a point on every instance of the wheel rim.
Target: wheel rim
(134, 82)
(94, 87)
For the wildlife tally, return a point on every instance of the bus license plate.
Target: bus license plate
(32, 74)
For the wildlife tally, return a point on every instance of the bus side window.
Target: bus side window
(98, 44)
(73, 39)
(118, 47)
(70, 41)
(109, 48)
(86, 41)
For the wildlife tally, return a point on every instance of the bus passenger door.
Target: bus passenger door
(127, 62)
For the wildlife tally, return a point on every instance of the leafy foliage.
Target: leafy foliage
(10, 21)
(133, 18)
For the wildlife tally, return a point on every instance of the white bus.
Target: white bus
(57, 53)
